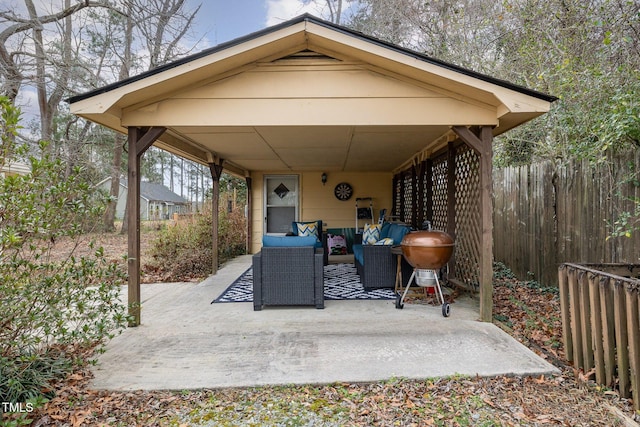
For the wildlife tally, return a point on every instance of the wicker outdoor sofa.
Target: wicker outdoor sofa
(288, 271)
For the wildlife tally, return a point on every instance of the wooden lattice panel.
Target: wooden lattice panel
(467, 216)
(439, 192)
(397, 196)
(407, 193)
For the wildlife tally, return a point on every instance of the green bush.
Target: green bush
(184, 251)
(49, 305)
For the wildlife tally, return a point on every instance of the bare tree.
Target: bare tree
(26, 59)
(161, 24)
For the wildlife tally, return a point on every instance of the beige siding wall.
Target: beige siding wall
(318, 202)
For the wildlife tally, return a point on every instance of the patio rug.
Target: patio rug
(341, 282)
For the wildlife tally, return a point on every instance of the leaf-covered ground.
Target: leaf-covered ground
(524, 309)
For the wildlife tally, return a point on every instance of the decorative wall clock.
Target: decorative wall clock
(343, 191)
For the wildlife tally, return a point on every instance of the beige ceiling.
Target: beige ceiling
(308, 96)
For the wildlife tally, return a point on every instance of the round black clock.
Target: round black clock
(343, 191)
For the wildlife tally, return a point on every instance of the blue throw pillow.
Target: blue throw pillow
(397, 232)
(384, 231)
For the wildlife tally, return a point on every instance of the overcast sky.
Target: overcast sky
(219, 21)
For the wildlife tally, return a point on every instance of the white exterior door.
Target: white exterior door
(281, 202)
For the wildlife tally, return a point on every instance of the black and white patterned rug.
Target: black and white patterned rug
(341, 282)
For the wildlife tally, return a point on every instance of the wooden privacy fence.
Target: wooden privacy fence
(601, 323)
(547, 213)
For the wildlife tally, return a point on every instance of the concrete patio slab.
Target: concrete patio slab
(185, 342)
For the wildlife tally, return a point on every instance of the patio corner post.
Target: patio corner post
(482, 144)
(216, 173)
(139, 140)
(249, 213)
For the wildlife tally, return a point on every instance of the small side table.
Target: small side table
(399, 287)
(397, 251)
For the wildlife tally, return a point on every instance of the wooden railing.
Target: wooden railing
(601, 323)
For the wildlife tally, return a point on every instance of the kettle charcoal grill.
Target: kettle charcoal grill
(427, 251)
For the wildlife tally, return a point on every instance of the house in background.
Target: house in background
(156, 201)
(12, 169)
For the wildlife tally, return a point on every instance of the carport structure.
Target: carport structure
(307, 98)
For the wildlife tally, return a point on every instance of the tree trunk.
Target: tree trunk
(114, 192)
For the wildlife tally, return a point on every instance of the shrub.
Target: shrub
(183, 251)
(49, 308)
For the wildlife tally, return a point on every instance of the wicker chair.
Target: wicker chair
(380, 267)
(288, 276)
(375, 264)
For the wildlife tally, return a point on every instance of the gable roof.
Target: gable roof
(312, 19)
(153, 192)
(309, 95)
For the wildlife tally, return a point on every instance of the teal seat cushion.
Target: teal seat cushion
(288, 241)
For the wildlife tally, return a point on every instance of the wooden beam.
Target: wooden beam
(216, 172)
(139, 140)
(470, 138)
(249, 182)
(147, 139)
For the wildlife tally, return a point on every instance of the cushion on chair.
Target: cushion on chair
(288, 241)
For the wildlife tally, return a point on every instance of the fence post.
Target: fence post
(564, 312)
(585, 322)
(633, 334)
(596, 327)
(622, 340)
(576, 330)
(608, 329)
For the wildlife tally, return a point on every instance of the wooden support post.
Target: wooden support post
(486, 207)
(451, 204)
(428, 185)
(394, 202)
(216, 172)
(249, 214)
(139, 140)
(420, 199)
(414, 197)
(451, 191)
(482, 144)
